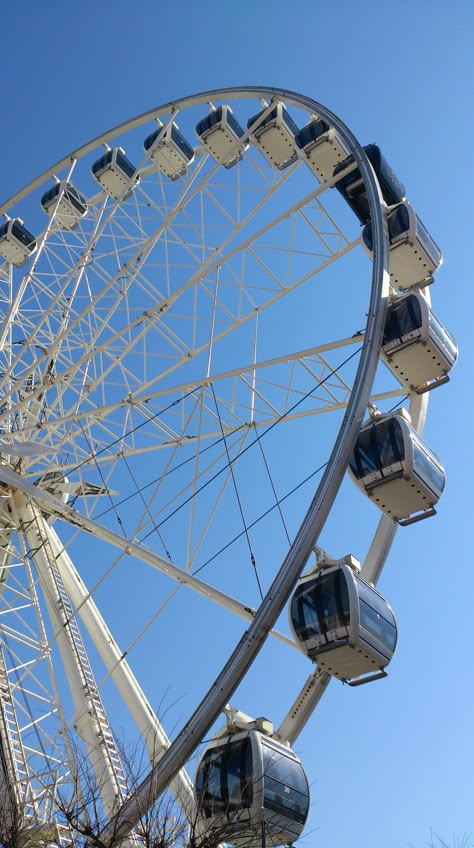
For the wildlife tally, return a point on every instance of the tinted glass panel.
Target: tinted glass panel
(378, 446)
(272, 116)
(321, 605)
(102, 162)
(181, 142)
(151, 138)
(124, 164)
(427, 242)
(398, 221)
(209, 121)
(353, 189)
(76, 198)
(427, 462)
(402, 317)
(22, 234)
(224, 782)
(444, 338)
(311, 132)
(234, 124)
(49, 195)
(285, 785)
(372, 621)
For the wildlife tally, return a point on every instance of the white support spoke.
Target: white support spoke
(147, 722)
(48, 503)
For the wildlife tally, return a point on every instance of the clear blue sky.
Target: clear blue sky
(392, 760)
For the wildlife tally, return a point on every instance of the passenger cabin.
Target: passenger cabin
(67, 205)
(248, 786)
(16, 242)
(414, 255)
(321, 147)
(352, 187)
(342, 623)
(116, 174)
(393, 466)
(275, 136)
(220, 133)
(169, 151)
(418, 349)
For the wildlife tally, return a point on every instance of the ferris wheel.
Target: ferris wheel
(191, 334)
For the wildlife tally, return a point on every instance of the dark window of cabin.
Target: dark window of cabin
(209, 121)
(181, 143)
(273, 116)
(353, 189)
(285, 786)
(375, 615)
(311, 132)
(426, 463)
(125, 165)
(151, 138)
(22, 234)
(215, 118)
(402, 318)
(442, 337)
(234, 124)
(76, 199)
(398, 221)
(102, 162)
(225, 779)
(320, 605)
(428, 244)
(377, 447)
(50, 194)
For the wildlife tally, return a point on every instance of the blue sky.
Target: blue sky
(389, 761)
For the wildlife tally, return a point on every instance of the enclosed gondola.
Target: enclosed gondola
(169, 151)
(275, 136)
(393, 466)
(352, 187)
(414, 255)
(67, 205)
(221, 133)
(342, 623)
(248, 786)
(115, 173)
(418, 349)
(322, 148)
(16, 242)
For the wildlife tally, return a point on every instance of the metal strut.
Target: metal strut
(91, 719)
(13, 768)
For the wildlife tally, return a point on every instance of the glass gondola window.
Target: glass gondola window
(102, 162)
(377, 447)
(374, 615)
(224, 781)
(215, 117)
(428, 243)
(285, 786)
(427, 463)
(352, 186)
(398, 223)
(403, 317)
(444, 337)
(311, 132)
(273, 116)
(325, 608)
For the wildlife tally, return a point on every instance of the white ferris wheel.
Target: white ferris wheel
(190, 338)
